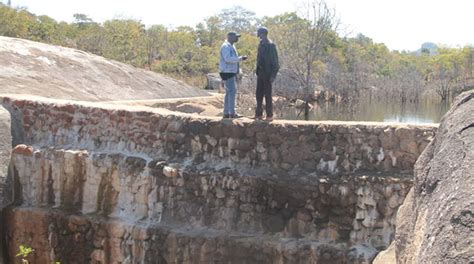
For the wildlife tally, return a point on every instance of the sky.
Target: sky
(399, 24)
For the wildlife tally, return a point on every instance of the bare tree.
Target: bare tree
(302, 48)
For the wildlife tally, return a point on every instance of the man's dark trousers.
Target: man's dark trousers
(264, 89)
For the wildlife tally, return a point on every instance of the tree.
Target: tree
(82, 20)
(247, 46)
(304, 43)
(88, 35)
(43, 30)
(156, 38)
(125, 41)
(15, 22)
(210, 31)
(237, 19)
(183, 57)
(447, 71)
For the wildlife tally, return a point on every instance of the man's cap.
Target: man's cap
(233, 33)
(263, 30)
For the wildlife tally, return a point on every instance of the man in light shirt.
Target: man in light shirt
(228, 69)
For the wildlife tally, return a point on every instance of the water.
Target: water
(426, 111)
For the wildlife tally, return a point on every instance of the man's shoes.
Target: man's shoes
(258, 117)
(269, 118)
(232, 116)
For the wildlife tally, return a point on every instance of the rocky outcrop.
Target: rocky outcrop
(106, 183)
(5, 152)
(214, 81)
(114, 196)
(287, 147)
(436, 222)
(28, 67)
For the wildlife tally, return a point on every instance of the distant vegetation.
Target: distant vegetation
(311, 49)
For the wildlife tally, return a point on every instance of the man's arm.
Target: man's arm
(228, 55)
(275, 63)
(260, 55)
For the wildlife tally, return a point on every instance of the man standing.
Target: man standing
(228, 69)
(267, 69)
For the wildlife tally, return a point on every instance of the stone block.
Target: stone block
(304, 215)
(410, 146)
(388, 139)
(23, 149)
(117, 229)
(170, 172)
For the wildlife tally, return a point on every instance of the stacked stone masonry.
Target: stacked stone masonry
(321, 147)
(136, 185)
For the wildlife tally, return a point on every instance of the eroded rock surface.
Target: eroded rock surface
(28, 67)
(289, 147)
(350, 217)
(106, 184)
(5, 152)
(436, 222)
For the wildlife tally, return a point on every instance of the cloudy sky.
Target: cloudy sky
(400, 24)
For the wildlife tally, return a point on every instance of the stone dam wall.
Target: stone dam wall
(97, 183)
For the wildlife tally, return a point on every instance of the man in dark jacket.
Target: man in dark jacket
(267, 69)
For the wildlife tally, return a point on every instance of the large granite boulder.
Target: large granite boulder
(436, 222)
(213, 81)
(28, 67)
(5, 152)
(5, 149)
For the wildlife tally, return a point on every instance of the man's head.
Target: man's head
(233, 37)
(262, 32)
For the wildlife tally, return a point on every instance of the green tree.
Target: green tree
(178, 52)
(156, 38)
(124, 40)
(210, 31)
(247, 46)
(447, 71)
(14, 22)
(238, 19)
(90, 37)
(82, 20)
(43, 30)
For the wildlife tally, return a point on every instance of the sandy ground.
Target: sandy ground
(214, 104)
(205, 106)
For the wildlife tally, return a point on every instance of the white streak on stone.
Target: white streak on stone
(380, 156)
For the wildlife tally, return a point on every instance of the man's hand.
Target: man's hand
(244, 57)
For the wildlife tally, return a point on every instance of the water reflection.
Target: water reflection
(425, 111)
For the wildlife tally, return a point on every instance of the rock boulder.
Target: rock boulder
(28, 67)
(436, 222)
(5, 152)
(5, 149)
